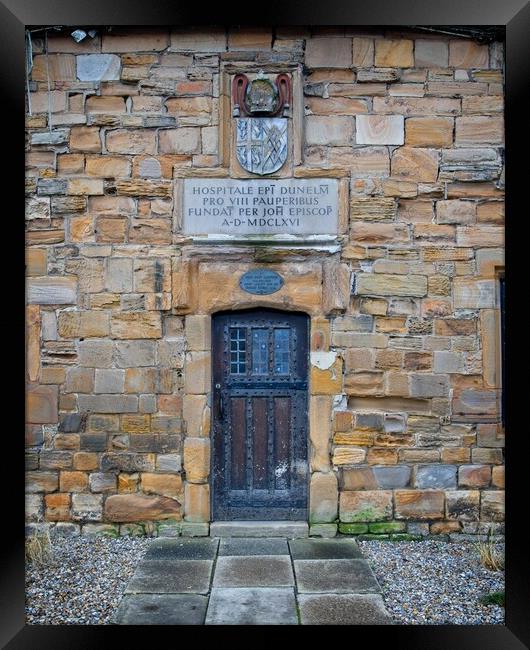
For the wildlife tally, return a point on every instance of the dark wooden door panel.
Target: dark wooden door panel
(260, 415)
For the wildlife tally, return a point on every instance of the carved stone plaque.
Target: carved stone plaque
(261, 281)
(275, 209)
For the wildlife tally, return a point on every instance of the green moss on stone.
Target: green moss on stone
(387, 527)
(353, 529)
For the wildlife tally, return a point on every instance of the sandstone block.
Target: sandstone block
(425, 385)
(57, 507)
(359, 340)
(420, 165)
(150, 231)
(56, 67)
(95, 353)
(198, 332)
(85, 461)
(476, 476)
(196, 413)
(139, 325)
(111, 230)
(87, 507)
(468, 54)
(382, 456)
(73, 481)
(109, 381)
(197, 377)
(81, 186)
(51, 290)
(197, 459)
(137, 507)
(463, 504)
(197, 502)
(362, 52)
(480, 236)
(455, 211)
(448, 362)
(169, 463)
(429, 131)
(358, 478)
(102, 482)
(366, 382)
(199, 39)
(479, 130)
(394, 53)
(348, 456)
(365, 506)
(108, 166)
(152, 275)
(382, 284)
(492, 506)
(131, 141)
(483, 455)
(379, 129)
(184, 140)
(323, 498)
(320, 431)
(328, 130)
(419, 504)
(392, 477)
(373, 208)
(473, 294)
(328, 53)
(41, 404)
(98, 67)
(133, 40)
(431, 54)
(435, 476)
(133, 354)
(85, 138)
(110, 403)
(168, 485)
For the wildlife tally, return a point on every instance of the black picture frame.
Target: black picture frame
(15, 15)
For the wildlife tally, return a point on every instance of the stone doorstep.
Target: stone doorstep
(247, 579)
(289, 529)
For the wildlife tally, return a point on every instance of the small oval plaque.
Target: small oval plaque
(261, 281)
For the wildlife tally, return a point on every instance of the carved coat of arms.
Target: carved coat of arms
(262, 108)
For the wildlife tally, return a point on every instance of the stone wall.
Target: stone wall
(405, 414)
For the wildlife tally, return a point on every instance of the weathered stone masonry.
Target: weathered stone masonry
(405, 432)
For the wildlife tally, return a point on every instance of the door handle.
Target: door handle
(221, 406)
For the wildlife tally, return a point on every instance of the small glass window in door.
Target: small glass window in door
(281, 351)
(260, 351)
(238, 351)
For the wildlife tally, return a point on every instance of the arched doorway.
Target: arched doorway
(260, 415)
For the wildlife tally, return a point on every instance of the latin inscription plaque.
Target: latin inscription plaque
(284, 207)
(261, 281)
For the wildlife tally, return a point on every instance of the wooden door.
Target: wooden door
(260, 468)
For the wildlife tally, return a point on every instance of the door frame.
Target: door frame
(316, 288)
(216, 337)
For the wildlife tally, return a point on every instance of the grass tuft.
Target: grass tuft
(490, 556)
(493, 598)
(39, 548)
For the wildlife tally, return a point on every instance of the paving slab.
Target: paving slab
(253, 571)
(289, 529)
(254, 606)
(335, 576)
(182, 549)
(162, 609)
(171, 577)
(253, 546)
(324, 549)
(343, 609)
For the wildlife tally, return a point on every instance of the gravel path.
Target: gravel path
(434, 583)
(84, 581)
(423, 582)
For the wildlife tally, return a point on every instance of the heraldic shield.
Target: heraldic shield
(262, 111)
(261, 143)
